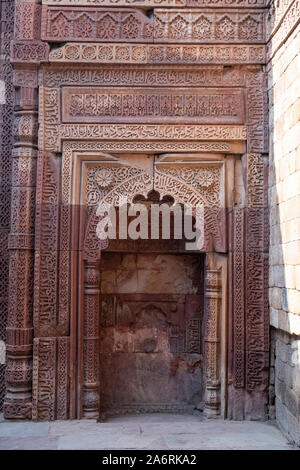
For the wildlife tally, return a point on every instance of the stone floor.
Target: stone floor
(143, 432)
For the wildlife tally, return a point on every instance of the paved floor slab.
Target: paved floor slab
(155, 432)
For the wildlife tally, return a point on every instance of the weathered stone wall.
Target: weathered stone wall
(284, 200)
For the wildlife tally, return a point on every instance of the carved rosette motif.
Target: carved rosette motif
(135, 146)
(158, 54)
(184, 185)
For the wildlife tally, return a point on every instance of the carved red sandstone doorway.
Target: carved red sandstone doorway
(211, 387)
(80, 399)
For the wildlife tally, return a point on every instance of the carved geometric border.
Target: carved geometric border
(94, 53)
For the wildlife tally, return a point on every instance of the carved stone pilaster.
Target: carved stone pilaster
(256, 285)
(6, 121)
(18, 400)
(90, 402)
(213, 295)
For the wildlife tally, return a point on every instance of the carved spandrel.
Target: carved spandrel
(205, 183)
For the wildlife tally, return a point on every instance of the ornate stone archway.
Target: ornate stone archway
(183, 191)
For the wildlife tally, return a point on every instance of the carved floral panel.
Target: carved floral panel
(129, 25)
(209, 26)
(34, 52)
(105, 25)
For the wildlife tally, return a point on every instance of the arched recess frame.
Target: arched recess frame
(215, 336)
